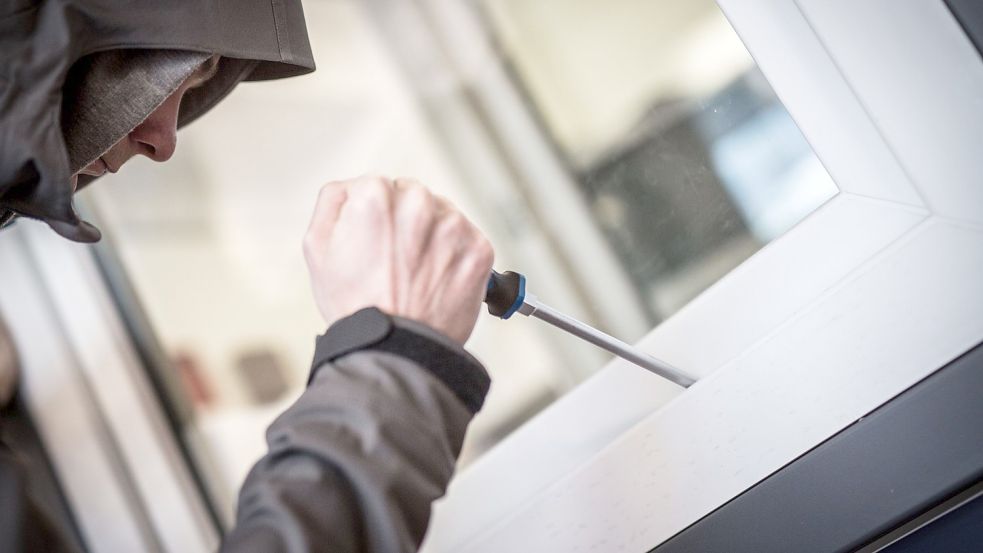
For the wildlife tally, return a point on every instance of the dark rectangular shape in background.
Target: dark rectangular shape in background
(969, 13)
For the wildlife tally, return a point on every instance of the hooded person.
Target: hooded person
(355, 464)
(63, 104)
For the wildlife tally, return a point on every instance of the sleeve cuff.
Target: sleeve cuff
(373, 330)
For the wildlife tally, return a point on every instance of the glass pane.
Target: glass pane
(688, 159)
(211, 244)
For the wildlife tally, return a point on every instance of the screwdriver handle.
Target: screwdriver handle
(505, 293)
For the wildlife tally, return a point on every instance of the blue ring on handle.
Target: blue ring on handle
(519, 298)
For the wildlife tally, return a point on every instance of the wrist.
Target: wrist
(371, 329)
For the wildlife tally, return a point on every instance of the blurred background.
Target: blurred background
(623, 154)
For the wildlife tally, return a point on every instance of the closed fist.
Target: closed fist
(394, 245)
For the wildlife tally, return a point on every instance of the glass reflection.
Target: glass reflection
(688, 159)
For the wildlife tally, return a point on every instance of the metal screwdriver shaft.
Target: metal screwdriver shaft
(506, 295)
(532, 307)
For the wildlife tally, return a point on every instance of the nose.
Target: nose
(156, 137)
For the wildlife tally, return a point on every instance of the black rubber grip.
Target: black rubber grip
(503, 290)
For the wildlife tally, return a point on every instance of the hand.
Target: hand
(398, 247)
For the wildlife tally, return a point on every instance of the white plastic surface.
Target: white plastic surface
(920, 78)
(56, 394)
(114, 376)
(822, 103)
(872, 292)
(914, 308)
(740, 310)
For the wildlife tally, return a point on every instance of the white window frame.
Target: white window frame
(118, 463)
(872, 292)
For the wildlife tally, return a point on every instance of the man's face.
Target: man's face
(156, 137)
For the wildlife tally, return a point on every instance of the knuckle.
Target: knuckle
(375, 185)
(330, 198)
(457, 234)
(448, 226)
(329, 189)
(376, 188)
(442, 205)
(369, 196)
(485, 252)
(376, 177)
(457, 221)
(407, 183)
(474, 266)
(375, 182)
(417, 195)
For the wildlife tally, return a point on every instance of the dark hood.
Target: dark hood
(41, 41)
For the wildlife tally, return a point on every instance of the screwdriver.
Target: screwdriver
(507, 295)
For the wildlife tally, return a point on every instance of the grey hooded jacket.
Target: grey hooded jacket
(41, 40)
(355, 463)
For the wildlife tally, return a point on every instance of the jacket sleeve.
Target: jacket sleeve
(355, 463)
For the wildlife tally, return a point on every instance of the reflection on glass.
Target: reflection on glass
(688, 159)
(210, 243)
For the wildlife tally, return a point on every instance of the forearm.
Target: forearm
(356, 462)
